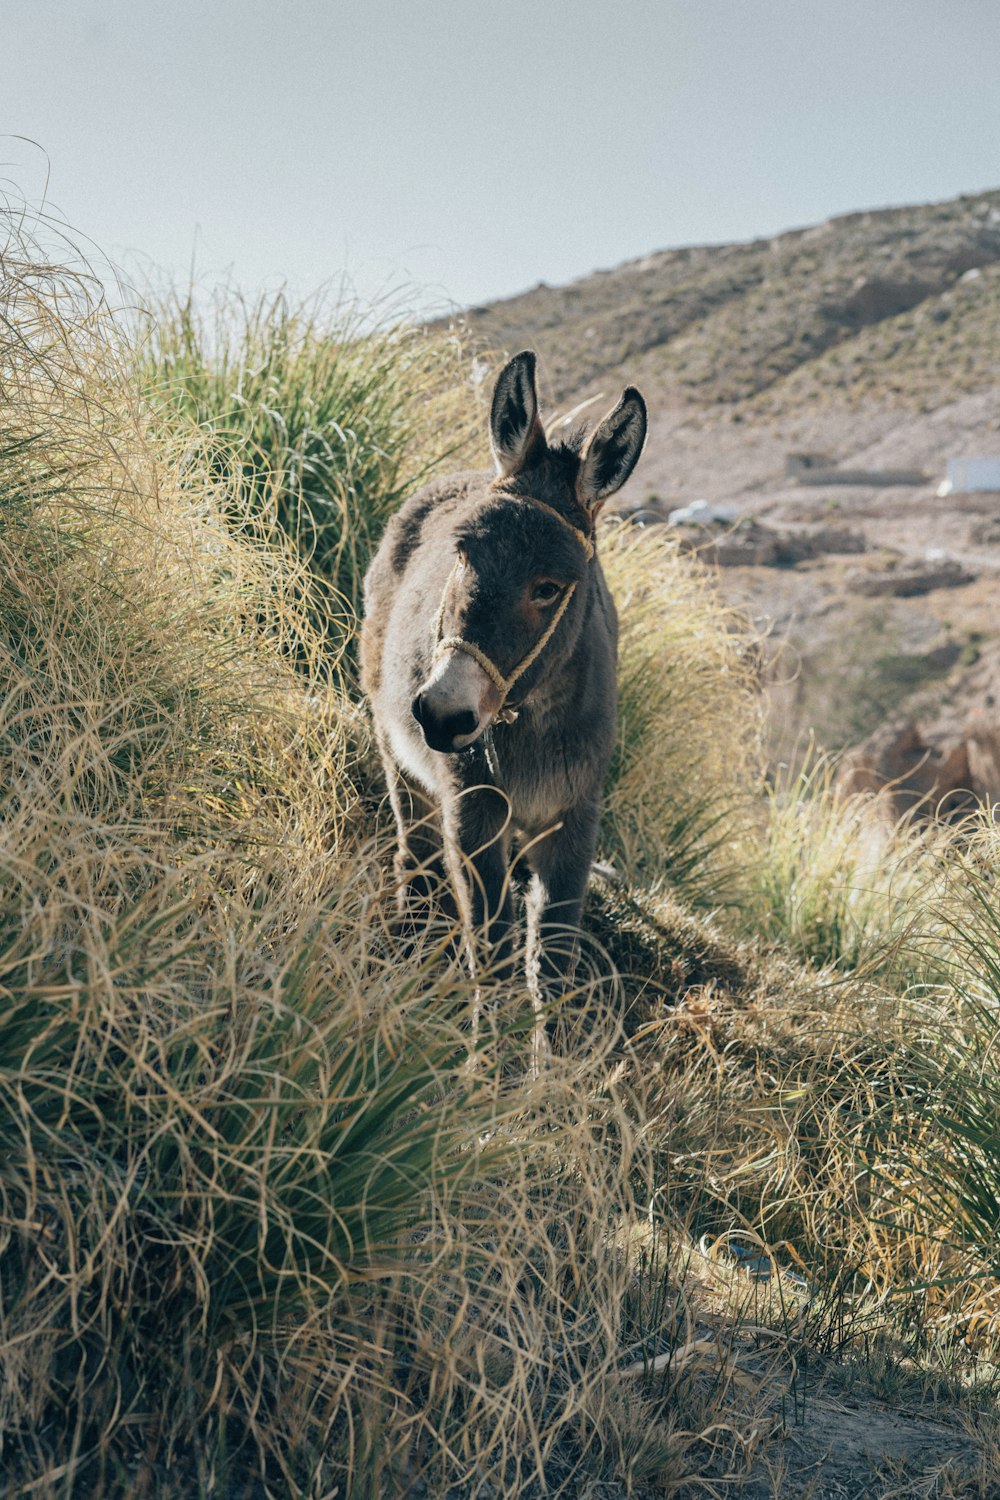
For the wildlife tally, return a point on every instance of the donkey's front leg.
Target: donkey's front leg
(477, 845)
(560, 862)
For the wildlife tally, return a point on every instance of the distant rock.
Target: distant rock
(872, 298)
(649, 513)
(947, 764)
(700, 513)
(911, 578)
(986, 533)
(750, 543)
(820, 469)
(909, 769)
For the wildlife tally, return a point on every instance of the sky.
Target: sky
(462, 150)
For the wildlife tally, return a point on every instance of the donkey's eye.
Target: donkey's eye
(546, 591)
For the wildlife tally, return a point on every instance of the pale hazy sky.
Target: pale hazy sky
(474, 147)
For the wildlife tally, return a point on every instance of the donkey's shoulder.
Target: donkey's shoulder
(433, 509)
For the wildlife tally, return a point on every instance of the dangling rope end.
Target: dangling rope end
(505, 715)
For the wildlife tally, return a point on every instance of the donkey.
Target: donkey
(488, 653)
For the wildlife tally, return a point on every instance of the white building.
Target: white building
(968, 476)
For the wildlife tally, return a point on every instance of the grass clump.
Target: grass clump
(843, 881)
(942, 1168)
(191, 1188)
(687, 761)
(197, 1159)
(318, 422)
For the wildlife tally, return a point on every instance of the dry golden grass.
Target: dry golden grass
(260, 1225)
(317, 418)
(844, 880)
(687, 767)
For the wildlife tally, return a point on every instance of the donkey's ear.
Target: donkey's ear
(612, 451)
(516, 433)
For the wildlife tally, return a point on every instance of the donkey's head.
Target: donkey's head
(515, 600)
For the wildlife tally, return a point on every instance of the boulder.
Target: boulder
(871, 299)
(911, 770)
(986, 533)
(951, 759)
(983, 749)
(751, 544)
(646, 515)
(700, 513)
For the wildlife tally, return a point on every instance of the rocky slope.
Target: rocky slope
(723, 323)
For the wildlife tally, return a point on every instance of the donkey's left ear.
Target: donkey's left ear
(612, 451)
(516, 433)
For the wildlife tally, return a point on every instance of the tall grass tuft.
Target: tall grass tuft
(687, 763)
(318, 418)
(843, 881)
(941, 1161)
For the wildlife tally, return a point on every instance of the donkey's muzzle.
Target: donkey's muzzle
(445, 732)
(455, 704)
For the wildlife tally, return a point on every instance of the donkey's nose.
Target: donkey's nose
(457, 725)
(442, 731)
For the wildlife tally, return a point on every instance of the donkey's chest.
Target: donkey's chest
(544, 785)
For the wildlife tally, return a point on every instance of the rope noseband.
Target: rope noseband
(504, 684)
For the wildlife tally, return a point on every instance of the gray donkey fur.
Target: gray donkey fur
(481, 557)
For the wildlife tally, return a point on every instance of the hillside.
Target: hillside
(724, 323)
(872, 339)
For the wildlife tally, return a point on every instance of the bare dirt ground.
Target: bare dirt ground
(850, 1448)
(861, 1425)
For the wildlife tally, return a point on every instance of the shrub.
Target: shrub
(941, 1160)
(317, 418)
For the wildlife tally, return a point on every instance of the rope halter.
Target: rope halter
(504, 684)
